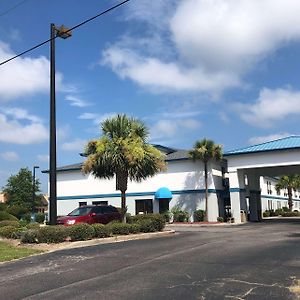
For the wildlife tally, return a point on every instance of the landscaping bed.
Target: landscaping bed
(33, 233)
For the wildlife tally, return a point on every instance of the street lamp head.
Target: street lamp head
(63, 32)
(36, 167)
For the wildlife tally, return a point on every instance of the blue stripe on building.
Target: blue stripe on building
(137, 194)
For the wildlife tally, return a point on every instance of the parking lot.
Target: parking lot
(252, 261)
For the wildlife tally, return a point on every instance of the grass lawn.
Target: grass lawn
(9, 252)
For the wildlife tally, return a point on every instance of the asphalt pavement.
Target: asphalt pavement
(252, 261)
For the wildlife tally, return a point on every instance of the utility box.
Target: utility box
(243, 216)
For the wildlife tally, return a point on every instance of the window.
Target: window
(278, 204)
(269, 187)
(82, 203)
(109, 209)
(100, 202)
(270, 204)
(144, 206)
(278, 192)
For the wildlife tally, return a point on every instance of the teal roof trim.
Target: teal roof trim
(287, 143)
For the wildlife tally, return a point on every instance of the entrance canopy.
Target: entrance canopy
(163, 193)
(274, 158)
(246, 165)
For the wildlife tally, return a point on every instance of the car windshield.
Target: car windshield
(80, 211)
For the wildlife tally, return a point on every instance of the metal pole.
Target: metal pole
(33, 188)
(52, 169)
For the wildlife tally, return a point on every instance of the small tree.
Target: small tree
(18, 190)
(206, 150)
(123, 152)
(291, 183)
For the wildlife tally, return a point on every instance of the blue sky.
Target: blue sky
(226, 70)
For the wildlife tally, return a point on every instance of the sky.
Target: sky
(226, 70)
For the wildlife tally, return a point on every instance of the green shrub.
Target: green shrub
(273, 213)
(181, 216)
(30, 236)
(51, 234)
(7, 231)
(199, 215)
(291, 214)
(5, 216)
(147, 226)
(40, 218)
(285, 209)
(3, 206)
(119, 228)
(266, 214)
(17, 211)
(26, 217)
(157, 221)
(279, 211)
(33, 225)
(220, 219)
(18, 233)
(167, 215)
(101, 231)
(134, 228)
(9, 223)
(81, 232)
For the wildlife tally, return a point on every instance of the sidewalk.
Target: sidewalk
(202, 224)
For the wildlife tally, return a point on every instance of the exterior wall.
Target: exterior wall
(270, 199)
(265, 159)
(184, 178)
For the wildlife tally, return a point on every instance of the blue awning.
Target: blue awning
(163, 193)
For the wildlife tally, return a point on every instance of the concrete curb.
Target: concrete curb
(116, 239)
(203, 225)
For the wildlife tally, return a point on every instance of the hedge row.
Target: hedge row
(82, 231)
(284, 212)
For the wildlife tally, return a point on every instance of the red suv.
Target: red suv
(91, 214)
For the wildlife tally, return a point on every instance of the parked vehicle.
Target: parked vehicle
(91, 214)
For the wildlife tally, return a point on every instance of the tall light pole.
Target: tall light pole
(64, 33)
(33, 184)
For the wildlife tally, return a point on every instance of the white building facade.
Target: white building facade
(242, 184)
(183, 181)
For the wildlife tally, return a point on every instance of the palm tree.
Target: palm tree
(206, 150)
(289, 182)
(123, 151)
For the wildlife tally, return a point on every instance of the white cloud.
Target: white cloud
(19, 114)
(96, 118)
(76, 101)
(24, 75)
(63, 132)
(267, 138)
(212, 51)
(19, 127)
(10, 156)
(76, 145)
(271, 107)
(162, 76)
(170, 128)
(43, 157)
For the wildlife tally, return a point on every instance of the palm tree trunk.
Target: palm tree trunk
(290, 201)
(206, 192)
(123, 200)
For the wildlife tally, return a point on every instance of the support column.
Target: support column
(254, 197)
(237, 193)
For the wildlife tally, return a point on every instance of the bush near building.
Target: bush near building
(33, 233)
(5, 216)
(199, 215)
(179, 215)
